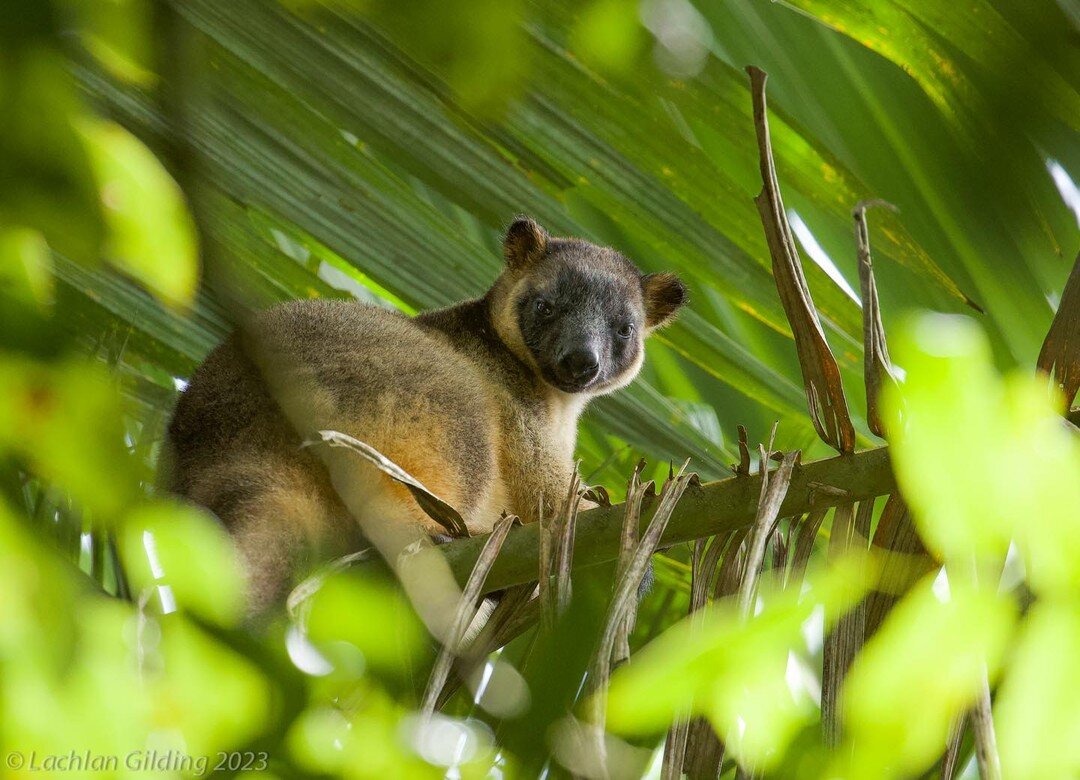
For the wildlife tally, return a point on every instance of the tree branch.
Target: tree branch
(716, 507)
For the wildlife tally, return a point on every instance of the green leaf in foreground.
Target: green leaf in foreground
(64, 421)
(378, 739)
(734, 672)
(151, 236)
(25, 268)
(118, 34)
(920, 671)
(213, 696)
(370, 614)
(44, 167)
(188, 557)
(85, 672)
(1037, 720)
(983, 461)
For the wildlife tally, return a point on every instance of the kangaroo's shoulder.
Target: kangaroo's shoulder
(468, 330)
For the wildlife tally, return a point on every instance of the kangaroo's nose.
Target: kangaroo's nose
(580, 366)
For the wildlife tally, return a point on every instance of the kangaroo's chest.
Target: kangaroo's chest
(536, 458)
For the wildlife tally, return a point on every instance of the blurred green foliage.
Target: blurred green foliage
(920, 672)
(986, 462)
(183, 550)
(983, 461)
(1006, 478)
(64, 419)
(91, 188)
(375, 150)
(83, 671)
(150, 234)
(737, 672)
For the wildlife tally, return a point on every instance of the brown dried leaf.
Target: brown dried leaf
(564, 553)
(844, 640)
(674, 750)
(897, 538)
(706, 557)
(731, 568)
(704, 752)
(779, 545)
(742, 469)
(952, 752)
(625, 598)
(982, 726)
(808, 528)
(517, 610)
(1059, 357)
(849, 531)
(628, 542)
(598, 494)
(983, 735)
(466, 612)
(544, 556)
(437, 509)
(877, 368)
(773, 489)
(821, 376)
(556, 553)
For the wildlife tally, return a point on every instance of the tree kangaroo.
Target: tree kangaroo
(479, 401)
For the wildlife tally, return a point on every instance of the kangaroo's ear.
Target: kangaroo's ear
(664, 296)
(525, 242)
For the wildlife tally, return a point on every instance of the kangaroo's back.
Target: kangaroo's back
(235, 440)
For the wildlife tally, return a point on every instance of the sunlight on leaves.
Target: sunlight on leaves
(25, 267)
(35, 591)
(608, 35)
(479, 52)
(151, 234)
(732, 671)
(923, 667)
(1037, 719)
(370, 614)
(207, 692)
(117, 33)
(984, 460)
(64, 420)
(187, 557)
(78, 669)
(373, 149)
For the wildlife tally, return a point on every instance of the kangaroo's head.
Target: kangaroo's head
(578, 313)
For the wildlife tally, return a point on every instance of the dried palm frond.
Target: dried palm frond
(877, 368)
(821, 375)
(437, 509)
(467, 612)
(1059, 357)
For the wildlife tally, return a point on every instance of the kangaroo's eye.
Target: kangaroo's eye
(543, 308)
(626, 331)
